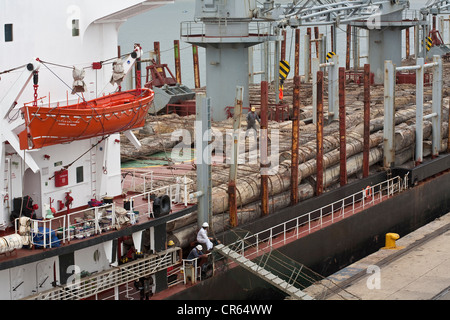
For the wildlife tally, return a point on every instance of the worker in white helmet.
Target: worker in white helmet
(202, 237)
(195, 253)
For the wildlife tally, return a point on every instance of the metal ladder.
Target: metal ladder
(268, 276)
(93, 162)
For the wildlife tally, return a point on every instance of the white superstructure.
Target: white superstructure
(62, 34)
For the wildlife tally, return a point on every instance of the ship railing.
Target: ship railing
(172, 275)
(178, 193)
(147, 180)
(49, 233)
(197, 30)
(139, 179)
(87, 222)
(81, 288)
(258, 243)
(42, 233)
(409, 14)
(192, 269)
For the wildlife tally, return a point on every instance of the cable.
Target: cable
(13, 69)
(92, 147)
(45, 65)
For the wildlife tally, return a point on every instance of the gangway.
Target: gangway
(264, 274)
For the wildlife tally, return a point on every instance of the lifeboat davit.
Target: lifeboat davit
(117, 112)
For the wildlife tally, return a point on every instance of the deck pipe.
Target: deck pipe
(448, 137)
(389, 115)
(342, 129)
(297, 52)
(419, 111)
(196, 66)
(436, 106)
(333, 48)
(319, 136)
(264, 163)
(349, 37)
(137, 69)
(355, 41)
(232, 202)
(157, 50)
(176, 51)
(295, 141)
(307, 57)
(366, 145)
(407, 42)
(317, 37)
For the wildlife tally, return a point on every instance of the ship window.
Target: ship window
(75, 28)
(8, 32)
(80, 175)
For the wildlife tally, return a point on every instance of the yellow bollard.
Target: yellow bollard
(390, 241)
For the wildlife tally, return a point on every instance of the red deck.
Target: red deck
(277, 241)
(282, 239)
(24, 252)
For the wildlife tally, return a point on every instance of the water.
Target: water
(163, 25)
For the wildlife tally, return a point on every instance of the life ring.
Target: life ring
(367, 192)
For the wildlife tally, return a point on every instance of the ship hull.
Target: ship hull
(338, 245)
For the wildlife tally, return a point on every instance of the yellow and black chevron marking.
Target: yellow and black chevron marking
(330, 55)
(429, 43)
(284, 70)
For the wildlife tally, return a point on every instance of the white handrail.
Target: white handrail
(355, 202)
(111, 278)
(194, 263)
(88, 226)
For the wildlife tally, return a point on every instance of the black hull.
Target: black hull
(342, 243)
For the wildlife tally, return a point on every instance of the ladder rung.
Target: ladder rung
(270, 276)
(260, 271)
(263, 272)
(242, 259)
(249, 264)
(277, 280)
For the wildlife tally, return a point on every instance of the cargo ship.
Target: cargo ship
(71, 232)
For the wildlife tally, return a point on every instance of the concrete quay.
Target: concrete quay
(418, 268)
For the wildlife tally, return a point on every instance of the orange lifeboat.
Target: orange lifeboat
(117, 112)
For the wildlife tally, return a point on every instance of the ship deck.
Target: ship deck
(291, 231)
(141, 202)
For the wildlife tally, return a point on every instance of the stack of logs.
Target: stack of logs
(155, 137)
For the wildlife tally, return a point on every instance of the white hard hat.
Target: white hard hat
(199, 247)
(205, 225)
